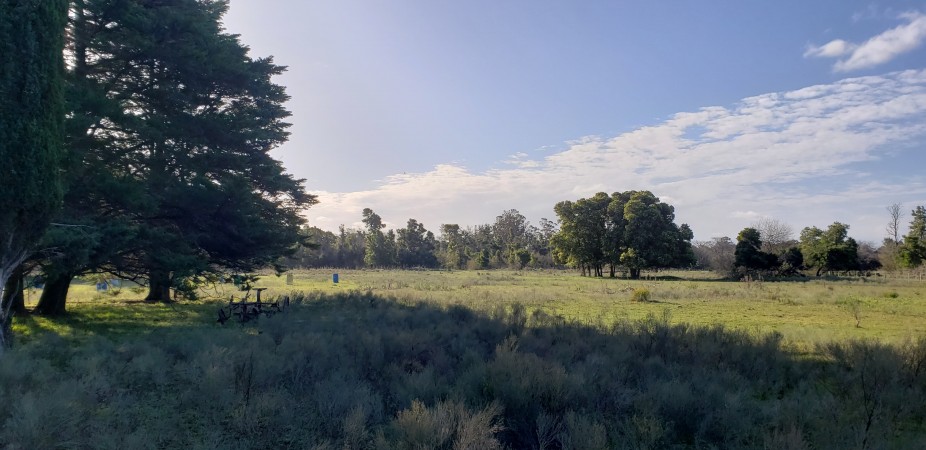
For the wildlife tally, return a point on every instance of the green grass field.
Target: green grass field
(805, 312)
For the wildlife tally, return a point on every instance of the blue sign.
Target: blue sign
(335, 278)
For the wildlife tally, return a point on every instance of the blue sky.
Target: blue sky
(451, 112)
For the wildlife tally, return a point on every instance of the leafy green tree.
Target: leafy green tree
(512, 233)
(632, 229)
(379, 252)
(913, 249)
(321, 252)
(172, 123)
(454, 246)
(583, 227)
(829, 250)
(350, 247)
(31, 129)
(651, 232)
(416, 245)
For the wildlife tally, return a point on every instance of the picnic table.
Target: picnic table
(246, 310)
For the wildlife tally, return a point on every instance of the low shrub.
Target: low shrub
(355, 370)
(641, 295)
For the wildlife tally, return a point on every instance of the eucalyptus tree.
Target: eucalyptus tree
(31, 130)
(652, 240)
(453, 246)
(581, 237)
(378, 251)
(632, 230)
(416, 245)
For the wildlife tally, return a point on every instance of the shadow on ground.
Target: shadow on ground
(356, 370)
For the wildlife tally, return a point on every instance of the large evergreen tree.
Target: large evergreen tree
(31, 128)
(171, 124)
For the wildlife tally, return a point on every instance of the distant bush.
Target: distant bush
(641, 295)
(355, 370)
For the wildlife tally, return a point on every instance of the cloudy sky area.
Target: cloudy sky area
(451, 112)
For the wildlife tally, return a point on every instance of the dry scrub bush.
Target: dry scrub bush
(358, 371)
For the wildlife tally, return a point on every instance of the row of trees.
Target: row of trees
(628, 231)
(768, 247)
(167, 125)
(908, 251)
(509, 242)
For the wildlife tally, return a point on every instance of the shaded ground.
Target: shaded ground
(359, 370)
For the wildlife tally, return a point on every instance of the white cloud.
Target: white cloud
(831, 49)
(877, 50)
(751, 215)
(791, 155)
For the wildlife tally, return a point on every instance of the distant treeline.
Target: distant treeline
(509, 242)
(625, 232)
(768, 248)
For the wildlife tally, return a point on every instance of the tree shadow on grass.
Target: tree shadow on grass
(354, 369)
(114, 320)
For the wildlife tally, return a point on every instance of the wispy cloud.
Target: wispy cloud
(831, 49)
(792, 155)
(877, 50)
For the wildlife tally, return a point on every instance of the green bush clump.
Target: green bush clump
(355, 370)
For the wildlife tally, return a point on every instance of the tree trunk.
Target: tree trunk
(158, 286)
(13, 292)
(634, 274)
(54, 296)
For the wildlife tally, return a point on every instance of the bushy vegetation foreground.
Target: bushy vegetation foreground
(356, 370)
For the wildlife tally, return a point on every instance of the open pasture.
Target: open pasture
(417, 359)
(805, 311)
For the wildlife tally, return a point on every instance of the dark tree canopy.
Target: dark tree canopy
(171, 125)
(748, 254)
(31, 128)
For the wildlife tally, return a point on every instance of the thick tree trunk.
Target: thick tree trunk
(54, 296)
(634, 274)
(13, 293)
(158, 286)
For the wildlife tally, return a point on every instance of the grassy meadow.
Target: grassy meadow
(806, 312)
(491, 359)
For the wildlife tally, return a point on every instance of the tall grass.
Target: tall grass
(359, 370)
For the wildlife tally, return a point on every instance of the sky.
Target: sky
(806, 112)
